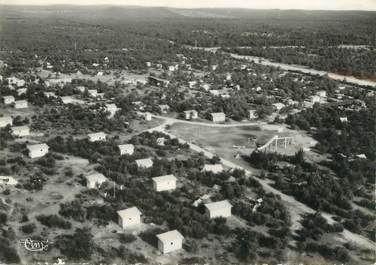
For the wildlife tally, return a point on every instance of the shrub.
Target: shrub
(53, 221)
(28, 229)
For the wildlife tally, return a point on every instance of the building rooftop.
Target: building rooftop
(97, 177)
(170, 236)
(165, 178)
(34, 147)
(214, 206)
(129, 212)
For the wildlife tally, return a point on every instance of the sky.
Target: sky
(257, 4)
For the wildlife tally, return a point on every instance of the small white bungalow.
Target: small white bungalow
(252, 114)
(218, 117)
(8, 180)
(216, 168)
(191, 114)
(163, 183)
(147, 116)
(37, 150)
(218, 209)
(161, 141)
(5, 120)
(129, 217)
(21, 131)
(170, 241)
(321, 94)
(49, 94)
(278, 106)
(21, 91)
(164, 108)
(343, 119)
(94, 181)
(8, 99)
(20, 104)
(126, 149)
(144, 163)
(112, 109)
(214, 92)
(81, 89)
(67, 100)
(95, 137)
(93, 92)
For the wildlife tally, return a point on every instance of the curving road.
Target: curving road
(296, 208)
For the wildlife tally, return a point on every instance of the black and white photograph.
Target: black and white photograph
(187, 132)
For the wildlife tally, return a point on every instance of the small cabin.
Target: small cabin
(112, 109)
(170, 241)
(144, 163)
(20, 104)
(6, 120)
(190, 114)
(218, 117)
(8, 99)
(126, 149)
(67, 100)
(218, 209)
(164, 183)
(94, 181)
(21, 131)
(93, 92)
(164, 108)
(252, 114)
(129, 217)
(216, 168)
(8, 180)
(147, 116)
(49, 94)
(95, 137)
(37, 150)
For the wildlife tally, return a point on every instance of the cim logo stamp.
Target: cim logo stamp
(35, 245)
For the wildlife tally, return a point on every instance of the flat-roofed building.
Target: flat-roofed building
(37, 150)
(95, 137)
(21, 131)
(190, 114)
(218, 117)
(5, 120)
(164, 183)
(95, 180)
(218, 209)
(144, 163)
(216, 168)
(8, 100)
(129, 217)
(170, 241)
(20, 104)
(126, 149)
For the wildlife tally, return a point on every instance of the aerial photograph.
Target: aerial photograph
(188, 132)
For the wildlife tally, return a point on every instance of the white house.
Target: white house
(81, 89)
(147, 116)
(37, 150)
(321, 94)
(95, 137)
(8, 180)
(218, 209)
(93, 92)
(214, 92)
(161, 141)
(163, 183)
(278, 106)
(20, 104)
(126, 149)
(8, 99)
(343, 119)
(49, 94)
(144, 163)
(191, 84)
(67, 100)
(170, 241)
(16, 81)
(95, 180)
(164, 108)
(21, 131)
(21, 91)
(4, 121)
(252, 114)
(112, 109)
(216, 168)
(191, 114)
(218, 117)
(129, 217)
(148, 64)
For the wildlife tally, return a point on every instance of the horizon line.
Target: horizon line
(173, 7)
